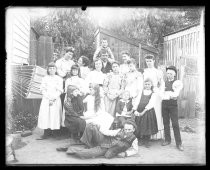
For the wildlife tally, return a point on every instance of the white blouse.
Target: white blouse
(78, 82)
(51, 86)
(156, 76)
(95, 77)
(63, 66)
(84, 71)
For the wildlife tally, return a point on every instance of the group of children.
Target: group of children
(111, 105)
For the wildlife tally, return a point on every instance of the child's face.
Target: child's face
(147, 85)
(150, 63)
(98, 65)
(80, 62)
(126, 95)
(128, 128)
(75, 72)
(170, 74)
(104, 57)
(52, 70)
(125, 58)
(75, 92)
(115, 68)
(104, 43)
(131, 67)
(68, 55)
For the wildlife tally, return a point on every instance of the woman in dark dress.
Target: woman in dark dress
(145, 115)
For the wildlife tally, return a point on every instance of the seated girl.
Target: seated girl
(74, 108)
(95, 106)
(123, 110)
(145, 115)
(74, 79)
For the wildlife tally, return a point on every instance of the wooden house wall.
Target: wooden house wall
(18, 35)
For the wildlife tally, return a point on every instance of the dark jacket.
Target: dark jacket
(120, 105)
(107, 68)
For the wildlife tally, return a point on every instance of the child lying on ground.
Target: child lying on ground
(120, 142)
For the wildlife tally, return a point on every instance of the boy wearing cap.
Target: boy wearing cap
(170, 107)
(119, 142)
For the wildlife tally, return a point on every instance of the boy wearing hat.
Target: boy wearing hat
(120, 142)
(170, 107)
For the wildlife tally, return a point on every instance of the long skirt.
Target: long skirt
(110, 105)
(146, 124)
(158, 111)
(75, 124)
(50, 116)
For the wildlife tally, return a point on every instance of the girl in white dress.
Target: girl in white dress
(96, 76)
(50, 109)
(113, 87)
(96, 113)
(134, 83)
(156, 76)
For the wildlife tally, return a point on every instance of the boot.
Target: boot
(147, 144)
(141, 141)
(46, 135)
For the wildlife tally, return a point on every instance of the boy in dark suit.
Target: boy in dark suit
(170, 107)
(107, 66)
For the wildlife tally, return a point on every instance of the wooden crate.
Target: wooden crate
(27, 80)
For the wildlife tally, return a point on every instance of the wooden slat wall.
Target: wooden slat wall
(117, 46)
(45, 51)
(33, 48)
(184, 43)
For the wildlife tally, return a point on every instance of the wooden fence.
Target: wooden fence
(181, 49)
(119, 43)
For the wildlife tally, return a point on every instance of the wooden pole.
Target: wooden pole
(139, 55)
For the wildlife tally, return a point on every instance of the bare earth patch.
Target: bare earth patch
(194, 142)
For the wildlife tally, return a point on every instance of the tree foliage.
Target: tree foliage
(68, 27)
(72, 26)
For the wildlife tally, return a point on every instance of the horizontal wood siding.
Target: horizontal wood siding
(18, 35)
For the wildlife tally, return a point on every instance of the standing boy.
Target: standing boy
(170, 107)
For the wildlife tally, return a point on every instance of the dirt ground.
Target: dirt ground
(35, 152)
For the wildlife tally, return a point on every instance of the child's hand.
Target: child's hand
(136, 113)
(141, 114)
(121, 155)
(51, 102)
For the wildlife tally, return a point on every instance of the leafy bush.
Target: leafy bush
(19, 119)
(24, 121)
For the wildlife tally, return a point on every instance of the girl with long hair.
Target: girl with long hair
(50, 111)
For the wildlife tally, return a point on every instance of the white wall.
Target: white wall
(17, 35)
